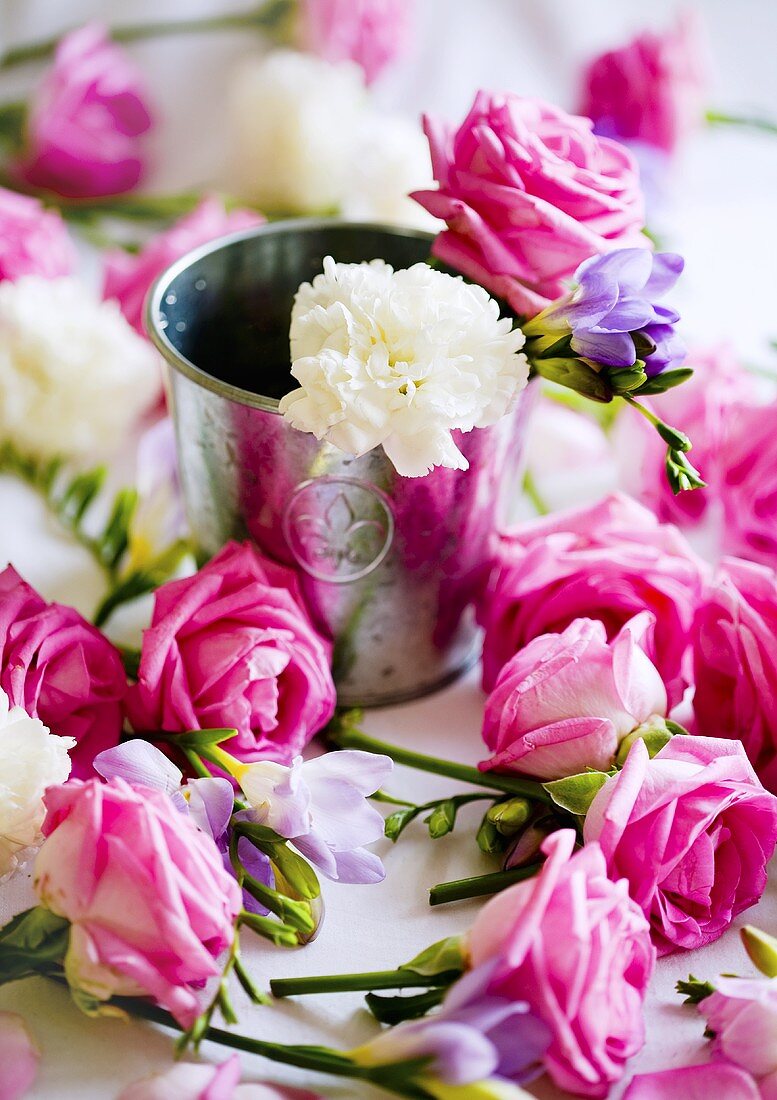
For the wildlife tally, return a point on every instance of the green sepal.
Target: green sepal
(34, 942)
(694, 991)
(656, 734)
(575, 793)
(442, 819)
(761, 948)
(440, 958)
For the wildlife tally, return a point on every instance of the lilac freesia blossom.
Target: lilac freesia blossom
(209, 802)
(321, 807)
(475, 1036)
(612, 311)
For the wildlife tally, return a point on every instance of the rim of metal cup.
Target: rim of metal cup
(155, 297)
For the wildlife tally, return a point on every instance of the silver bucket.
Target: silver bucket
(391, 567)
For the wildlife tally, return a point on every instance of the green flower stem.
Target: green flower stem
(266, 17)
(355, 983)
(347, 737)
(480, 885)
(746, 122)
(532, 492)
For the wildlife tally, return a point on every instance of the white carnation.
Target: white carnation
(294, 121)
(392, 159)
(400, 359)
(74, 376)
(31, 759)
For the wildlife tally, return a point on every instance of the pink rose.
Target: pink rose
(19, 1057)
(233, 646)
(192, 1081)
(373, 33)
(60, 669)
(128, 278)
(150, 903)
(742, 1013)
(608, 562)
(650, 90)
(33, 240)
(735, 663)
(566, 701)
(692, 830)
(573, 944)
(748, 486)
(528, 193)
(715, 1081)
(702, 408)
(86, 120)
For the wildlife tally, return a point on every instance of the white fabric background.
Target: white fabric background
(724, 222)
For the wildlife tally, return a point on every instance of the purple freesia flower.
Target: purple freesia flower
(210, 802)
(612, 312)
(475, 1036)
(321, 806)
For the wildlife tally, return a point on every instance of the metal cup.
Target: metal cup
(391, 567)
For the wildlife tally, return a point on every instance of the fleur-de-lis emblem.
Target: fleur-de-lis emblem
(339, 529)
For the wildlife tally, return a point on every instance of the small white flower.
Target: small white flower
(31, 759)
(73, 375)
(400, 359)
(294, 120)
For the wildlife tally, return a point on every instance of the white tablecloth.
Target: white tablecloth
(723, 221)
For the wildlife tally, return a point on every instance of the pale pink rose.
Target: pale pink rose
(151, 905)
(86, 120)
(128, 278)
(190, 1081)
(702, 408)
(528, 193)
(573, 944)
(60, 669)
(748, 484)
(735, 662)
(19, 1057)
(234, 647)
(608, 561)
(692, 830)
(715, 1081)
(568, 455)
(373, 33)
(33, 240)
(742, 1013)
(651, 90)
(566, 701)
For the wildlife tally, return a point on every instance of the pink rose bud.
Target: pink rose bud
(60, 669)
(19, 1057)
(742, 1013)
(128, 278)
(373, 33)
(86, 120)
(234, 647)
(528, 193)
(652, 89)
(608, 562)
(735, 663)
(151, 905)
(33, 240)
(692, 831)
(573, 944)
(565, 701)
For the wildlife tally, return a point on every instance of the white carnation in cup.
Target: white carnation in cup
(31, 759)
(295, 120)
(74, 376)
(400, 359)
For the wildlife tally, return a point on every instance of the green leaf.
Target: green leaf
(576, 792)
(80, 493)
(694, 991)
(393, 1010)
(761, 948)
(442, 819)
(33, 942)
(440, 958)
(202, 739)
(660, 383)
(114, 539)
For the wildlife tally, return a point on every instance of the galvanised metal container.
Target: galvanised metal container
(390, 566)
